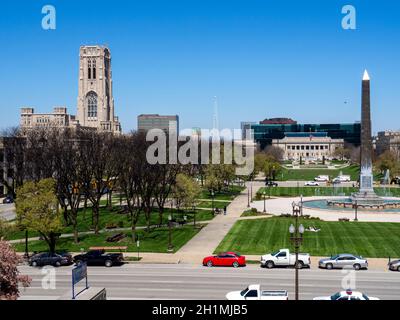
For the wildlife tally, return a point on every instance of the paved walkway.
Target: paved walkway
(208, 239)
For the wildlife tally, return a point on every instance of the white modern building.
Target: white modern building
(307, 146)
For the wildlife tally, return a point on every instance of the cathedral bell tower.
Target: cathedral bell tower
(95, 97)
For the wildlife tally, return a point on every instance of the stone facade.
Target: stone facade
(312, 147)
(58, 118)
(95, 98)
(95, 108)
(388, 141)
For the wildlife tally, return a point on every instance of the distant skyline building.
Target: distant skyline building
(95, 107)
(147, 122)
(278, 121)
(307, 146)
(388, 141)
(58, 118)
(265, 134)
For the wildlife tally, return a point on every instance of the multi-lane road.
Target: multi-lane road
(184, 281)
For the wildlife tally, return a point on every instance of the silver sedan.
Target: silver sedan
(341, 261)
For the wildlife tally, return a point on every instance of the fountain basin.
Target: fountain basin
(347, 204)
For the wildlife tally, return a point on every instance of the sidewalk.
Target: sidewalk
(208, 239)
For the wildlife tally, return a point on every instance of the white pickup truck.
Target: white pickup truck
(253, 292)
(284, 258)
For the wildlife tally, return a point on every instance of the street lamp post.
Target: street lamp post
(251, 192)
(264, 202)
(301, 204)
(194, 216)
(212, 196)
(355, 206)
(248, 198)
(170, 247)
(26, 255)
(138, 245)
(296, 236)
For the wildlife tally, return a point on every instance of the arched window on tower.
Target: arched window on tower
(94, 68)
(91, 99)
(90, 69)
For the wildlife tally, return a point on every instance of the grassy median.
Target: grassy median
(154, 241)
(261, 236)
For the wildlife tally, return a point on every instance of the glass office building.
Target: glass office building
(265, 133)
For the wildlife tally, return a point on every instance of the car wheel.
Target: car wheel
(108, 263)
(398, 268)
(270, 264)
(300, 265)
(34, 264)
(209, 264)
(235, 264)
(357, 266)
(329, 266)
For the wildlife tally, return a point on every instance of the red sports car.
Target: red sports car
(226, 259)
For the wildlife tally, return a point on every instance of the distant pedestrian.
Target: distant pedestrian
(225, 211)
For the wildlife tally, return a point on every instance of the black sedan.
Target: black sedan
(8, 199)
(99, 258)
(271, 183)
(50, 259)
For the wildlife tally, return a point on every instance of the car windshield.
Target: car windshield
(335, 257)
(365, 297)
(335, 296)
(242, 293)
(274, 253)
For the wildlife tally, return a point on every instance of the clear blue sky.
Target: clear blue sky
(261, 58)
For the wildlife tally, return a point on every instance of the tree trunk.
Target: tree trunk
(95, 215)
(133, 229)
(51, 241)
(75, 225)
(161, 212)
(109, 195)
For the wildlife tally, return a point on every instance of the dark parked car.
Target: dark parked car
(46, 259)
(8, 199)
(99, 258)
(270, 183)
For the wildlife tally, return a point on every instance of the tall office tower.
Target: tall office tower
(95, 97)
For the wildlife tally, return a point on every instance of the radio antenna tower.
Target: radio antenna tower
(215, 115)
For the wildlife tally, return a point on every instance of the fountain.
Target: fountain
(365, 198)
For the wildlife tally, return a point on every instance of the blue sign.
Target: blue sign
(78, 274)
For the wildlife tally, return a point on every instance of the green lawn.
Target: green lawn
(321, 191)
(155, 241)
(253, 213)
(209, 204)
(120, 220)
(263, 236)
(310, 174)
(233, 192)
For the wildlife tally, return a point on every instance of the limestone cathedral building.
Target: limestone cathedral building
(95, 105)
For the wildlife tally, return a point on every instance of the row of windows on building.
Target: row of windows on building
(307, 147)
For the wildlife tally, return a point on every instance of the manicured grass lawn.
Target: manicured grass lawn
(155, 241)
(253, 213)
(321, 191)
(223, 195)
(209, 204)
(261, 236)
(310, 174)
(120, 220)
